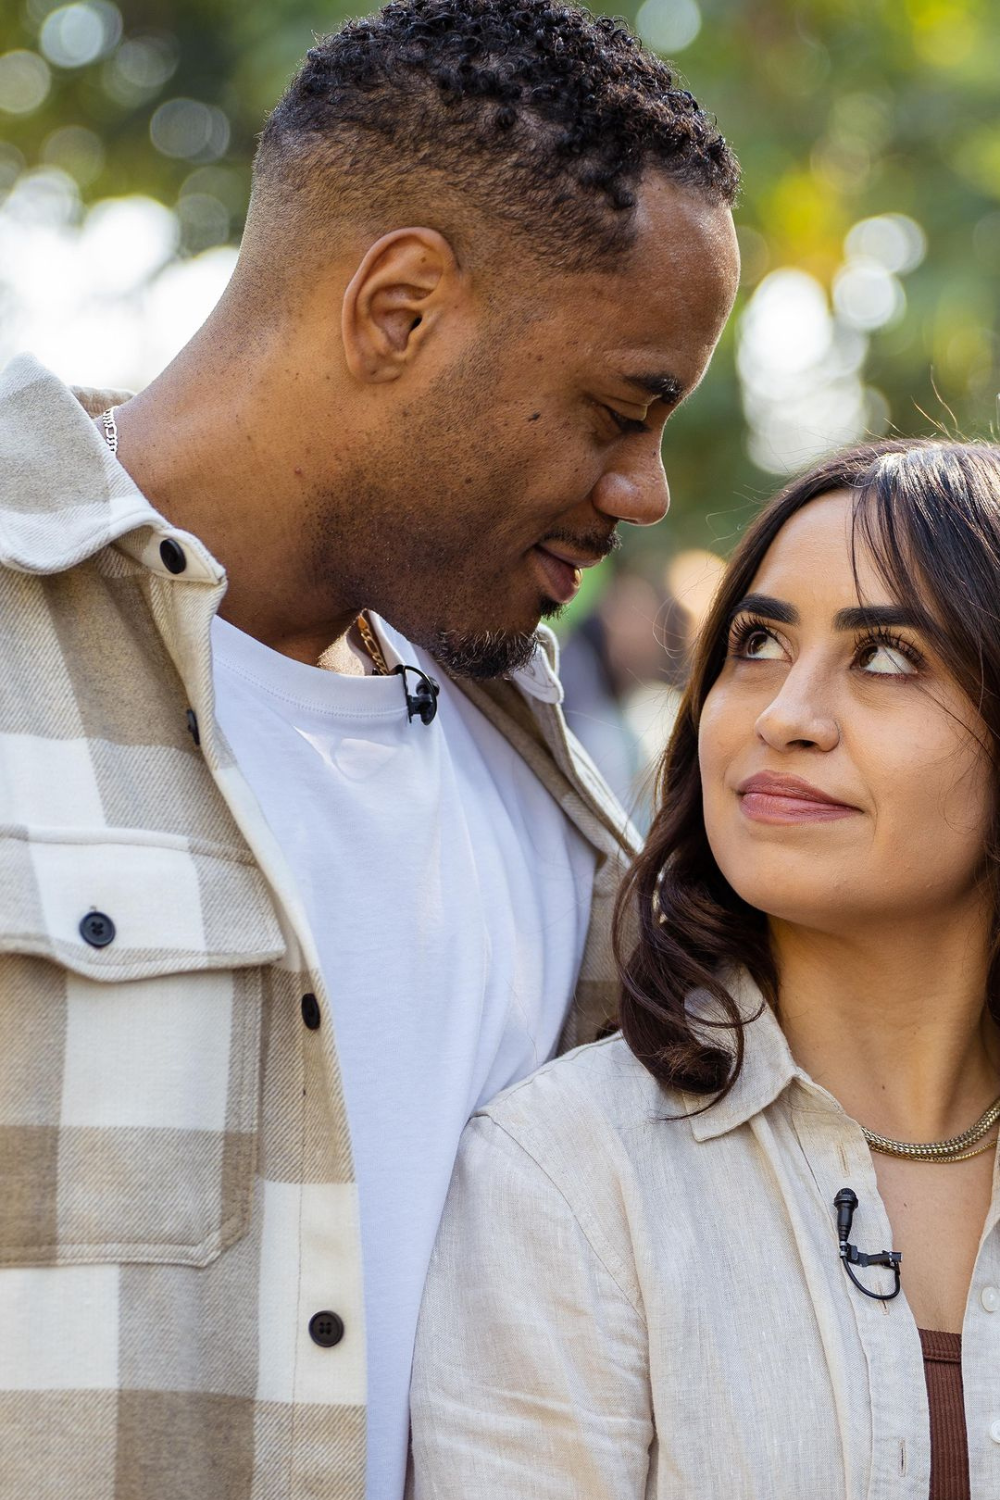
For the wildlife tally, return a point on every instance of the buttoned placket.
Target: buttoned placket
(838, 1156)
(899, 1460)
(981, 1356)
(185, 602)
(872, 1348)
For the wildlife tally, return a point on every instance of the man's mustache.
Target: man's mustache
(595, 545)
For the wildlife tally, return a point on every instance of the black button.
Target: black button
(192, 721)
(172, 554)
(97, 929)
(326, 1329)
(310, 1012)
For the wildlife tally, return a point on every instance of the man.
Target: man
(270, 931)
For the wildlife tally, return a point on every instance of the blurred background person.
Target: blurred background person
(625, 663)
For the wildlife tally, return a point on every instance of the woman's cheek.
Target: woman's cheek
(715, 730)
(931, 805)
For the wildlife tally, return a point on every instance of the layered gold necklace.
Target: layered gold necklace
(957, 1148)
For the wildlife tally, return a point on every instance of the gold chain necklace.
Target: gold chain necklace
(372, 647)
(956, 1148)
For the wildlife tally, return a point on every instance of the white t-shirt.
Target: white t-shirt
(449, 900)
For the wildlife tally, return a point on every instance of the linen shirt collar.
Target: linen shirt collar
(768, 1065)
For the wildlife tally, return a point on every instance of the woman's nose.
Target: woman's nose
(799, 716)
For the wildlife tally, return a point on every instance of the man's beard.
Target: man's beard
(484, 654)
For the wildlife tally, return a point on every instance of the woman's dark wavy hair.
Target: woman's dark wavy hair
(929, 514)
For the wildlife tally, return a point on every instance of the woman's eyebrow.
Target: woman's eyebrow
(859, 617)
(770, 608)
(876, 617)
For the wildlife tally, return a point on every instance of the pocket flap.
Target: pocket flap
(120, 904)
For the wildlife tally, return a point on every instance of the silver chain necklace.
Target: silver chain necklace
(110, 428)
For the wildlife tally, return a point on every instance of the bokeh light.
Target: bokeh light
(668, 26)
(191, 130)
(77, 150)
(799, 372)
(25, 81)
(124, 241)
(894, 241)
(867, 296)
(204, 221)
(74, 35)
(97, 295)
(140, 68)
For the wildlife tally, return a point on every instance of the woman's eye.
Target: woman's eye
(885, 661)
(759, 645)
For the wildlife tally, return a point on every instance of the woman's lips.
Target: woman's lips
(562, 579)
(769, 798)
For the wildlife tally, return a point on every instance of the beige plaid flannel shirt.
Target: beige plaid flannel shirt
(175, 1168)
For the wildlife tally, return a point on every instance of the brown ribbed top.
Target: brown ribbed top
(949, 1440)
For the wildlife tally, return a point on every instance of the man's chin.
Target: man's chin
(483, 654)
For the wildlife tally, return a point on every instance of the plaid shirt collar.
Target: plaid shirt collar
(53, 518)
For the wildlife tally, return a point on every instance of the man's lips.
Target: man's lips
(561, 572)
(773, 797)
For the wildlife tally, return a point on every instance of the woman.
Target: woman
(651, 1277)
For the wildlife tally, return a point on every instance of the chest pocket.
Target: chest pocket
(132, 968)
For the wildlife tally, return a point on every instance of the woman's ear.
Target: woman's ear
(406, 282)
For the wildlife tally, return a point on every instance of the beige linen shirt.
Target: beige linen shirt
(623, 1305)
(177, 1194)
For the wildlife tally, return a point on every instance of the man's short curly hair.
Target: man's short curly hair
(535, 117)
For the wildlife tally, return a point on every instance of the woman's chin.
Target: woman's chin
(833, 906)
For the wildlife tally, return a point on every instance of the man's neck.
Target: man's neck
(347, 656)
(199, 444)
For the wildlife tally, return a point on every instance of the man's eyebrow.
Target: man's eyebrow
(771, 609)
(664, 387)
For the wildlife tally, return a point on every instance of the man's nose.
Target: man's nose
(635, 488)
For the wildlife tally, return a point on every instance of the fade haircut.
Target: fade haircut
(522, 115)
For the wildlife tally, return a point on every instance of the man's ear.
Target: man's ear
(395, 298)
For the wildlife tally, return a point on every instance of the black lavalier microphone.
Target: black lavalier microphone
(845, 1203)
(422, 703)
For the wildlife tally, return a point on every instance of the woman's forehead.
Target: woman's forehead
(820, 554)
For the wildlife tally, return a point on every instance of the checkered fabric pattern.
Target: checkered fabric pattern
(178, 1197)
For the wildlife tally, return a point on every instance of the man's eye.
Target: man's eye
(624, 424)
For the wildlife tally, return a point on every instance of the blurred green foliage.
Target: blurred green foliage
(839, 110)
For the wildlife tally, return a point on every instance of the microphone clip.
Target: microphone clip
(422, 702)
(845, 1203)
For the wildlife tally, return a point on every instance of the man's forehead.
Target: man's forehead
(648, 329)
(682, 271)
